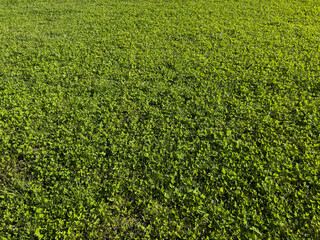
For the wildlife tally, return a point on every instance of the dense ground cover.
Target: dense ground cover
(159, 119)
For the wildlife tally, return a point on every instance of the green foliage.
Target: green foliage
(159, 119)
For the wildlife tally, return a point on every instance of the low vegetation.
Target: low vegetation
(159, 119)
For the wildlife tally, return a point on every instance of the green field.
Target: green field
(159, 119)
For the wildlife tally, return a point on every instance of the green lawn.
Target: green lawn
(159, 119)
